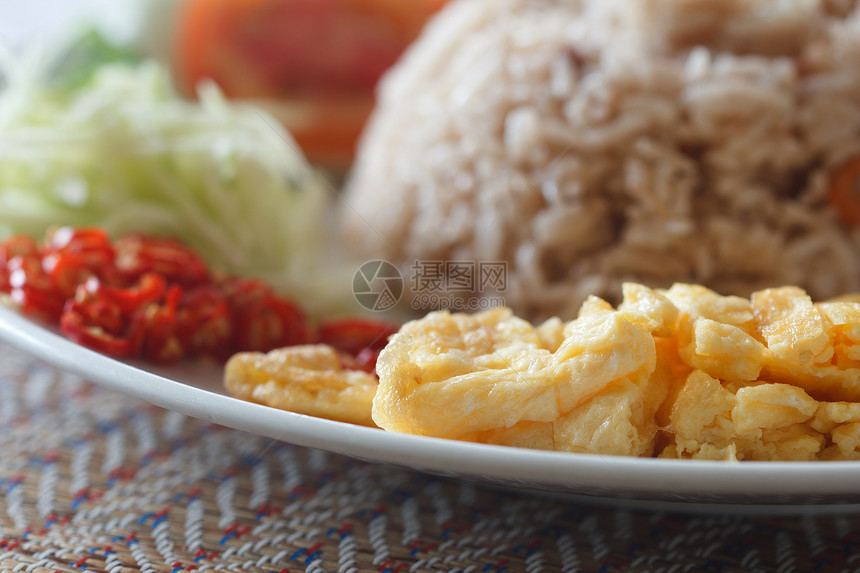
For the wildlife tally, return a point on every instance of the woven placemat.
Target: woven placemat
(91, 480)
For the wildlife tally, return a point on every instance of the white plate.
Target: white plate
(196, 390)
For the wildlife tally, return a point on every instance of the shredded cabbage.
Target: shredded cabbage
(124, 152)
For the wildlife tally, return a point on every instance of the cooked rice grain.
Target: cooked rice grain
(593, 142)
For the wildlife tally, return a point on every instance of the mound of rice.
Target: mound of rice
(591, 142)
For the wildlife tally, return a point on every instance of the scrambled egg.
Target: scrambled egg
(677, 373)
(683, 373)
(491, 377)
(772, 378)
(311, 379)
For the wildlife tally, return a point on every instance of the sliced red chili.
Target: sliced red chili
(73, 255)
(153, 329)
(137, 255)
(32, 290)
(241, 292)
(261, 320)
(15, 246)
(18, 246)
(96, 311)
(366, 360)
(293, 319)
(80, 239)
(96, 323)
(155, 298)
(149, 289)
(355, 335)
(268, 324)
(67, 271)
(74, 326)
(204, 324)
(37, 303)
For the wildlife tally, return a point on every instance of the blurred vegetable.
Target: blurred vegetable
(844, 192)
(89, 52)
(315, 62)
(126, 154)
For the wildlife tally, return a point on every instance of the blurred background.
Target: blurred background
(313, 64)
(52, 20)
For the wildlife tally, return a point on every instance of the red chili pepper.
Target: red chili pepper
(76, 240)
(74, 255)
(32, 289)
(96, 311)
(149, 289)
(138, 255)
(67, 271)
(241, 292)
(204, 325)
(356, 335)
(95, 323)
(18, 246)
(15, 246)
(88, 248)
(93, 337)
(366, 360)
(155, 298)
(153, 329)
(261, 320)
(38, 304)
(268, 324)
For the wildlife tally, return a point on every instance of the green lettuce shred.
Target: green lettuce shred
(126, 153)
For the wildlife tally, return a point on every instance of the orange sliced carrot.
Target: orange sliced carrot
(317, 61)
(844, 192)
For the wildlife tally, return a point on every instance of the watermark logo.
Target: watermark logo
(452, 285)
(377, 285)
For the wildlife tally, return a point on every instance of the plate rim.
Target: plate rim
(570, 471)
